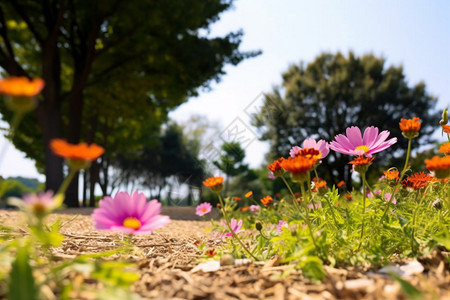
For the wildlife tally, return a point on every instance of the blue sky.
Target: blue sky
(414, 34)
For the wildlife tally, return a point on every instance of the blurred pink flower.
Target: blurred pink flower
(255, 208)
(235, 226)
(40, 204)
(314, 205)
(355, 144)
(321, 145)
(203, 209)
(281, 224)
(129, 214)
(387, 197)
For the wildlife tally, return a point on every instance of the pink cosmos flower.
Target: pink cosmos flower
(129, 214)
(203, 209)
(255, 208)
(321, 146)
(355, 144)
(40, 205)
(281, 224)
(235, 226)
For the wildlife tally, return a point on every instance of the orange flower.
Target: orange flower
(244, 208)
(249, 194)
(211, 252)
(21, 86)
(267, 200)
(237, 198)
(362, 160)
(348, 196)
(299, 166)
(410, 125)
(446, 128)
(417, 181)
(391, 174)
(340, 184)
(445, 148)
(77, 152)
(319, 183)
(275, 167)
(214, 183)
(309, 153)
(440, 166)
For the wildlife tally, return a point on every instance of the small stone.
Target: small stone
(227, 260)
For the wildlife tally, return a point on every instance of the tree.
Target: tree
(161, 48)
(231, 161)
(334, 92)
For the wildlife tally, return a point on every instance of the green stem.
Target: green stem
(332, 212)
(414, 222)
(227, 221)
(308, 222)
(67, 180)
(405, 167)
(363, 176)
(290, 190)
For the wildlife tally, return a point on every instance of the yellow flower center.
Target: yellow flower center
(363, 148)
(132, 223)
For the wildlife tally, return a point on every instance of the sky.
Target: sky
(411, 33)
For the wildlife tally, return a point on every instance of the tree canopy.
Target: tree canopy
(104, 60)
(323, 98)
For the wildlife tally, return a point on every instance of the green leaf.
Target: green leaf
(22, 285)
(312, 268)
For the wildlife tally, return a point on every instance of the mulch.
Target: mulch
(166, 261)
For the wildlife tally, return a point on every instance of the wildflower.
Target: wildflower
(417, 181)
(276, 168)
(211, 252)
(410, 127)
(79, 156)
(129, 214)
(446, 128)
(361, 163)
(21, 86)
(391, 174)
(203, 209)
(321, 146)
(235, 226)
(214, 183)
(267, 200)
(255, 208)
(39, 205)
(348, 196)
(248, 194)
(388, 196)
(340, 184)
(237, 198)
(281, 224)
(314, 205)
(318, 185)
(299, 166)
(439, 165)
(355, 144)
(244, 209)
(445, 148)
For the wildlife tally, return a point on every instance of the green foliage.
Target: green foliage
(18, 186)
(21, 281)
(321, 99)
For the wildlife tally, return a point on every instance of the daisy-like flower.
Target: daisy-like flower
(321, 146)
(410, 127)
(355, 144)
(129, 214)
(249, 194)
(391, 174)
(21, 86)
(203, 209)
(235, 226)
(39, 205)
(214, 183)
(417, 181)
(340, 184)
(79, 156)
(361, 163)
(281, 224)
(445, 148)
(299, 166)
(267, 200)
(276, 168)
(439, 165)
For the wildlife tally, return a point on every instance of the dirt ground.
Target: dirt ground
(168, 257)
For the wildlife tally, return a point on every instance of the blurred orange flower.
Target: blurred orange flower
(249, 194)
(362, 160)
(391, 174)
(211, 252)
(410, 125)
(446, 128)
(340, 184)
(237, 198)
(21, 86)
(440, 166)
(445, 148)
(80, 152)
(267, 200)
(275, 167)
(215, 183)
